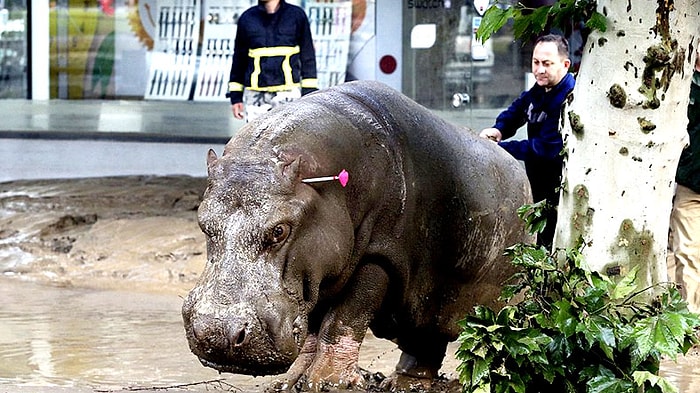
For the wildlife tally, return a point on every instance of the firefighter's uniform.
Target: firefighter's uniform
(273, 58)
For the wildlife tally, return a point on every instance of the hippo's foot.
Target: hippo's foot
(397, 382)
(321, 366)
(410, 376)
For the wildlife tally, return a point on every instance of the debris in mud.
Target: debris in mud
(377, 382)
(216, 385)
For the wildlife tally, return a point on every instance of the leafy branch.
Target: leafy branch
(530, 22)
(567, 329)
(535, 215)
(218, 384)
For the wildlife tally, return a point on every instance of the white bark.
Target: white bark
(618, 179)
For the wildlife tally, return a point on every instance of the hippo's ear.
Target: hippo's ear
(211, 158)
(292, 170)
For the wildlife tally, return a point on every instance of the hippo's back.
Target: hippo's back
(470, 183)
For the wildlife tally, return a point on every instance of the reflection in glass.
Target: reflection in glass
(13, 49)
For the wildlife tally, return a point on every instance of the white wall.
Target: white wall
(40, 50)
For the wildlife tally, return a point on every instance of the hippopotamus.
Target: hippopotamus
(297, 271)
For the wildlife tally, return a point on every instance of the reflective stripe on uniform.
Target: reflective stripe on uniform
(285, 51)
(271, 51)
(235, 86)
(311, 83)
(276, 88)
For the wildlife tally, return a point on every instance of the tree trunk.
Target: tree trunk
(623, 135)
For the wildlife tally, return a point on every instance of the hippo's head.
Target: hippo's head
(274, 245)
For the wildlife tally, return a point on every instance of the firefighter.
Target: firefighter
(273, 59)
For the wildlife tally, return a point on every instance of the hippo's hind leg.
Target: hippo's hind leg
(417, 370)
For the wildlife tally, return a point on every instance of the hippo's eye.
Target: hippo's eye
(279, 233)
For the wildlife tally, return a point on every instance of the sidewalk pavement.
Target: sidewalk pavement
(90, 138)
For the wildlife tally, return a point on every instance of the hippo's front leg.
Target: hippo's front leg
(298, 368)
(337, 346)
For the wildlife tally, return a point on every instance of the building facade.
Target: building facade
(180, 49)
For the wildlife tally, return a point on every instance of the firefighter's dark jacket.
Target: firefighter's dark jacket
(272, 52)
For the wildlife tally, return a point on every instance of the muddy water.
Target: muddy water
(136, 239)
(101, 339)
(53, 338)
(68, 337)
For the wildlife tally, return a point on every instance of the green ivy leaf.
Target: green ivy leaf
(599, 332)
(532, 24)
(534, 215)
(567, 327)
(609, 384)
(559, 349)
(516, 384)
(643, 377)
(506, 316)
(597, 21)
(676, 324)
(651, 337)
(480, 371)
(486, 388)
(493, 20)
(563, 317)
(664, 341)
(509, 292)
(626, 286)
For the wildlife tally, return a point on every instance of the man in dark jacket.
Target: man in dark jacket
(685, 216)
(273, 58)
(540, 108)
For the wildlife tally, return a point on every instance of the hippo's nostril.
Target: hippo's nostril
(238, 336)
(307, 289)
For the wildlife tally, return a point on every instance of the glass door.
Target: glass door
(13, 49)
(446, 68)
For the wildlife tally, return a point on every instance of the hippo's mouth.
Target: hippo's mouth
(257, 370)
(251, 351)
(252, 338)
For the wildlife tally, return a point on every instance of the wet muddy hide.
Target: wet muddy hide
(297, 272)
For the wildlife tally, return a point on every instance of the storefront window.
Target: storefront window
(458, 69)
(170, 49)
(82, 49)
(181, 49)
(13, 49)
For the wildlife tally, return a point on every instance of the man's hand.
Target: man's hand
(491, 133)
(237, 110)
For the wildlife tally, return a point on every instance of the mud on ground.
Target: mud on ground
(135, 232)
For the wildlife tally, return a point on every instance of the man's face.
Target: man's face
(547, 65)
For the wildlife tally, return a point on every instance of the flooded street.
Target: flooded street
(54, 338)
(92, 277)
(111, 340)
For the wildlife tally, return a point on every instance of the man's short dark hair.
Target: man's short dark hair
(560, 41)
